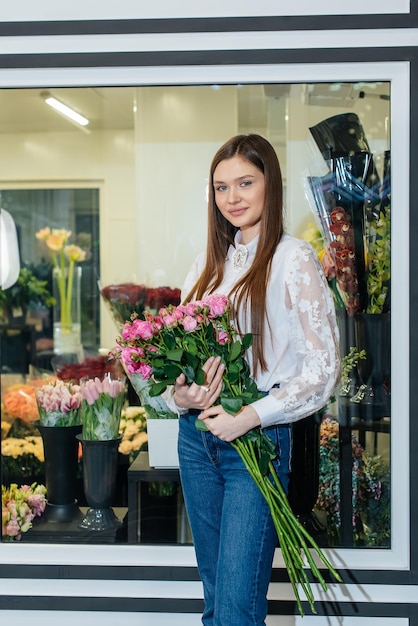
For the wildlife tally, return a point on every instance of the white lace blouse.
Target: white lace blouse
(301, 344)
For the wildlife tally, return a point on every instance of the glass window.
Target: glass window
(76, 210)
(138, 207)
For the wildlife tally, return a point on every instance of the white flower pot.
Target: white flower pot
(162, 442)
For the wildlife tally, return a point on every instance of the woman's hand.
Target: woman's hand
(200, 396)
(229, 427)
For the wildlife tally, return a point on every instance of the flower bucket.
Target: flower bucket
(100, 467)
(61, 460)
(162, 442)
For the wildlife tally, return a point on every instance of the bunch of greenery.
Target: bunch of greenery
(378, 277)
(28, 289)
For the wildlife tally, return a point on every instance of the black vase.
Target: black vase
(373, 336)
(100, 469)
(304, 479)
(61, 462)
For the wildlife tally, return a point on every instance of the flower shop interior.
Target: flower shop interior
(101, 217)
(100, 187)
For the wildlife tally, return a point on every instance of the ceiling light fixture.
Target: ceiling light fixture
(65, 110)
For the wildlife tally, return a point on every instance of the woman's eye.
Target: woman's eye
(220, 188)
(246, 183)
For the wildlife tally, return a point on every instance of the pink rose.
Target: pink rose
(189, 323)
(177, 313)
(158, 323)
(218, 304)
(191, 308)
(169, 321)
(137, 329)
(132, 358)
(143, 329)
(145, 370)
(222, 337)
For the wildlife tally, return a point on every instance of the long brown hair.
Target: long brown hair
(251, 288)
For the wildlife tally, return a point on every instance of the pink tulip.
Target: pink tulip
(90, 391)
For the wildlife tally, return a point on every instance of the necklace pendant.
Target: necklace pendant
(239, 257)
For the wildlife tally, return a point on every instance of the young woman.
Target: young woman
(279, 294)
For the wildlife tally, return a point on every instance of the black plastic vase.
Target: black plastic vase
(373, 336)
(304, 479)
(61, 462)
(100, 470)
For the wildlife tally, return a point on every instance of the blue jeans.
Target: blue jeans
(233, 532)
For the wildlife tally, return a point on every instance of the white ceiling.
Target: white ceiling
(24, 110)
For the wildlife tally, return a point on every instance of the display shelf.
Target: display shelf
(69, 532)
(17, 342)
(170, 510)
(361, 419)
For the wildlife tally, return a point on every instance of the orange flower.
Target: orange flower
(20, 401)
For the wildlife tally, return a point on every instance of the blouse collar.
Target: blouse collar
(239, 253)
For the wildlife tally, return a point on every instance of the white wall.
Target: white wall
(400, 595)
(178, 130)
(101, 159)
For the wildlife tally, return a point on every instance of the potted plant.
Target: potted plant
(15, 301)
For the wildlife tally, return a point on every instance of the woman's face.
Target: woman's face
(239, 194)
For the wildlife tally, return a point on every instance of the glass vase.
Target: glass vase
(67, 313)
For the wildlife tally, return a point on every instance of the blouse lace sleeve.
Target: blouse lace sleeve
(313, 337)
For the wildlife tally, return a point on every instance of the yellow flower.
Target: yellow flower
(43, 234)
(312, 235)
(75, 253)
(56, 240)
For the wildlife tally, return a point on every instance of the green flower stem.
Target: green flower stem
(69, 292)
(60, 277)
(339, 303)
(300, 528)
(302, 533)
(292, 535)
(290, 555)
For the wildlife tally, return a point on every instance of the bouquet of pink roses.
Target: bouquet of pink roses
(179, 339)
